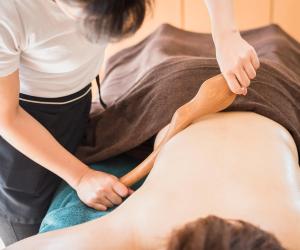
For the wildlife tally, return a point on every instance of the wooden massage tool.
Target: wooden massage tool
(213, 96)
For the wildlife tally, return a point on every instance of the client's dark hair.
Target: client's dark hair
(213, 233)
(111, 19)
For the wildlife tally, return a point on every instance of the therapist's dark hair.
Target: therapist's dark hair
(213, 233)
(112, 19)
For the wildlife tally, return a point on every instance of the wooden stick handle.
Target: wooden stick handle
(213, 96)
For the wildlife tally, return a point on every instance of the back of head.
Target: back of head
(213, 233)
(111, 19)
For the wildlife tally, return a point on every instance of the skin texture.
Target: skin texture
(213, 167)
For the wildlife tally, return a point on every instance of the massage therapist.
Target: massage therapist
(50, 51)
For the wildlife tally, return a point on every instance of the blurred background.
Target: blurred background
(192, 15)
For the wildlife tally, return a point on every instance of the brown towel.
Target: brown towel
(146, 83)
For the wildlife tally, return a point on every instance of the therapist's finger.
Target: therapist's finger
(102, 200)
(249, 69)
(233, 83)
(243, 78)
(97, 206)
(254, 59)
(114, 198)
(120, 189)
(106, 202)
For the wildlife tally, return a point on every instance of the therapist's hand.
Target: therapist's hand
(238, 61)
(100, 190)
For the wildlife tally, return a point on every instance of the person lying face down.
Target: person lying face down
(213, 186)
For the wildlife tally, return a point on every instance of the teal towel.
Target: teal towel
(66, 208)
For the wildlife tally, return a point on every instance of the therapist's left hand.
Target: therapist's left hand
(238, 61)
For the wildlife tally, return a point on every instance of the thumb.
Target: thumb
(120, 189)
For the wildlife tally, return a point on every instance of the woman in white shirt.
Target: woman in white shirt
(50, 51)
(46, 66)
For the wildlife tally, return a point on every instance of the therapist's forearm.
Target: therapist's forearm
(28, 136)
(222, 19)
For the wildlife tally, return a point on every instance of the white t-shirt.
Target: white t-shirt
(53, 59)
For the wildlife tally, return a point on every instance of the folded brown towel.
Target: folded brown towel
(146, 83)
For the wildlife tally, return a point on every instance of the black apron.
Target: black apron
(26, 188)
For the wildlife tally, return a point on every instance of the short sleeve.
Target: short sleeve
(10, 38)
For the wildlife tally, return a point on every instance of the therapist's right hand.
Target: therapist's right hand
(100, 190)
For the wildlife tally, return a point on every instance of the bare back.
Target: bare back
(217, 166)
(220, 166)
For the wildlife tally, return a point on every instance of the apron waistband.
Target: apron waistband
(57, 100)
